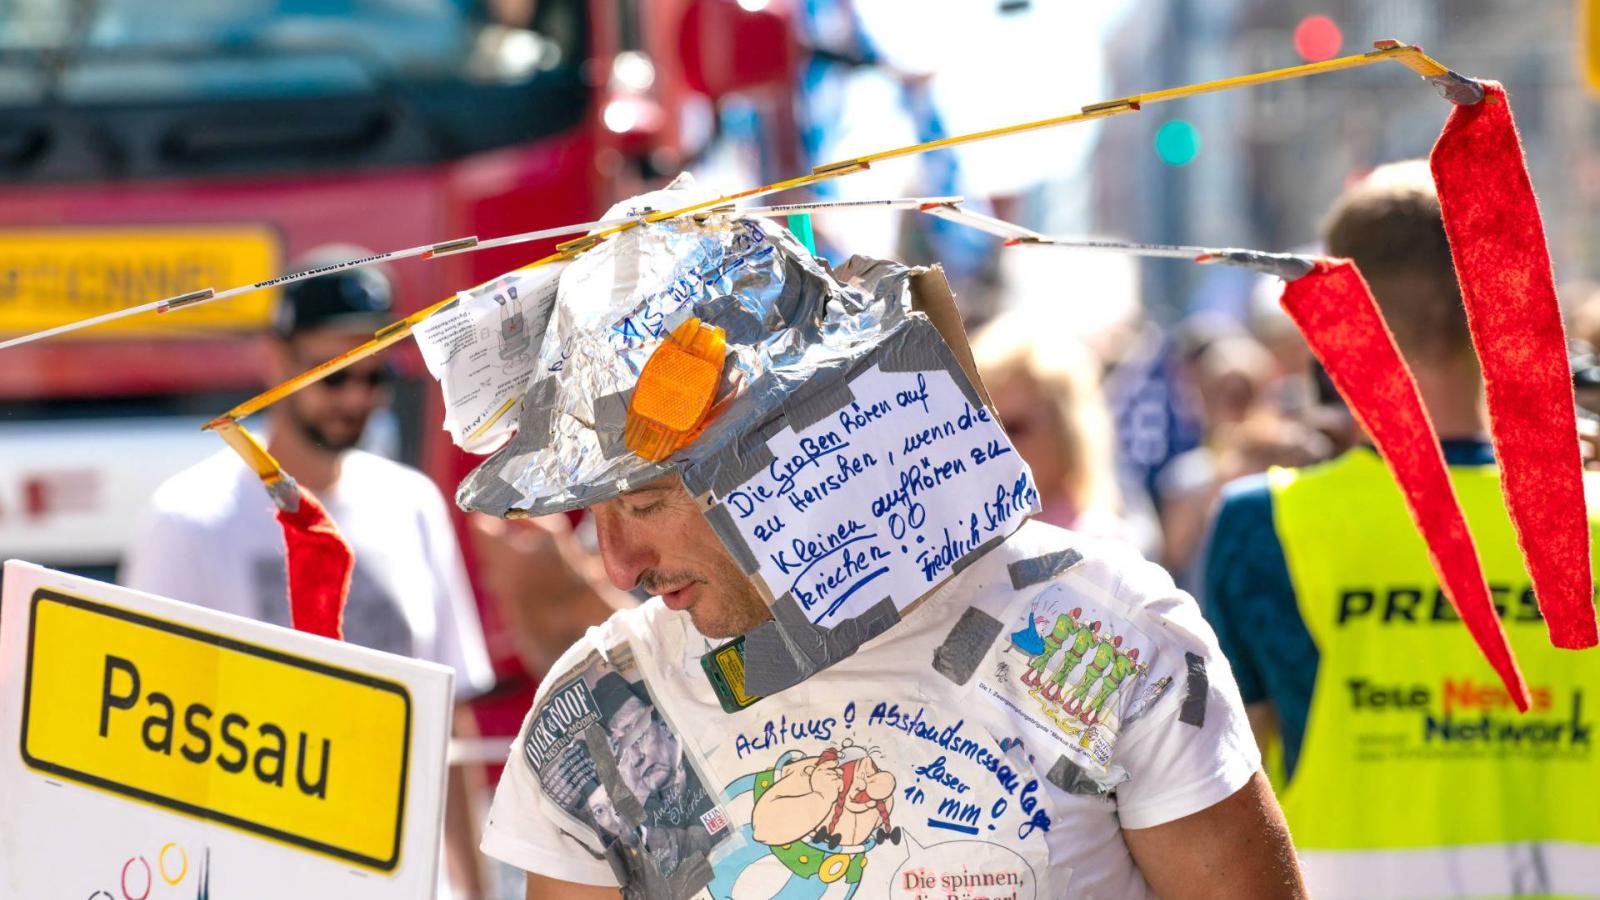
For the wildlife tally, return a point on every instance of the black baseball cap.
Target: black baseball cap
(353, 299)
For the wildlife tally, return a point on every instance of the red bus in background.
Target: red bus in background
(147, 150)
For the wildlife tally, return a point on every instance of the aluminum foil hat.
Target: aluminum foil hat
(848, 460)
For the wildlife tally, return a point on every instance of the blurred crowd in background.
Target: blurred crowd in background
(1135, 390)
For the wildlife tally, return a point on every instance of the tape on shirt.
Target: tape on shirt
(966, 645)
(789, 649)
(1036, 570)
(1070, 777)
(1193, 711)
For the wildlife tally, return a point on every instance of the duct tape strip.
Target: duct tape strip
(1070, 777)
(807, 408)
(1039, 569)
(629, 807)
(914, 347)
(921, 349)
(1458, 89)
(1193, 711)
(489, 493)
(483, 490)
(742, 457)
(285, 494)
(720, 518)
(966, 645)
(610, 420)
(188, 299)
(739, 325)
(975, 554)
(789, 649)
(1288, 266)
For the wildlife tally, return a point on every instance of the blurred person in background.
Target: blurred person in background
(1232, 374)
(1580, 301)
(1583, 332)
(211, 536)
(1049, 400)
(1404, 769)
(1290, 391)
(546, 580)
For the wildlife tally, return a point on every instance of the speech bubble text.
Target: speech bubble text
(962, 870)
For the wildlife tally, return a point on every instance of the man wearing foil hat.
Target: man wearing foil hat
(799, 464)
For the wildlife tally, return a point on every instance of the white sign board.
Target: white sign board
(154, 749)
(881, 498)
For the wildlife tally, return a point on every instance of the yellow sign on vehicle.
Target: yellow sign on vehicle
(1588, 56)
(50, 277)
(284, 747)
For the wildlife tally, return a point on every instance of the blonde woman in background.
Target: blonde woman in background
(1048, 397)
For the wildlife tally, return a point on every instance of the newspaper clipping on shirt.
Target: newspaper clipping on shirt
(603, 754)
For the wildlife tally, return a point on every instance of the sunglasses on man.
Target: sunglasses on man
(373, 379)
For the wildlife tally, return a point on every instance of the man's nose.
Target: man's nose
(625, 556)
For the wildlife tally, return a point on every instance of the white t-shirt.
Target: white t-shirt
(211, 538)
(993, 744)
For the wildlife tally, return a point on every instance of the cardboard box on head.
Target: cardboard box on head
(850, 461)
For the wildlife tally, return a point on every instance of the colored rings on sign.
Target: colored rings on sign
(161, 862)
(149, 878)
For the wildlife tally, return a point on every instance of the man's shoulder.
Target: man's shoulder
(363, 473)
(1040, 553)
(646, 619)
(1105, 574)
(205, 493)
(1249, 491)
(1245, 504)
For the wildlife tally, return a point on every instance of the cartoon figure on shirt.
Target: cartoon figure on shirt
(819, 816)
(1081, 639)
(1126, 665)
(1105, 654)
(1064, 627)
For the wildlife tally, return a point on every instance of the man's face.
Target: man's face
(647, 753)
(1031, 421)
(656, 537)
(331, 413)
(868, 786)
(604, 814)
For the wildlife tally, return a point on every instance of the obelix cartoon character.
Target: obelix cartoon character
(820, 815)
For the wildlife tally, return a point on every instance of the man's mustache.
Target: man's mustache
(654, 581)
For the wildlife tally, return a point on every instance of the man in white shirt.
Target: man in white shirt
(819, 747)
(210, 536)
(1194, 817)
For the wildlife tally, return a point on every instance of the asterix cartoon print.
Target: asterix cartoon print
(818, 815)
(603, 754)
(1074, 670)
(880, 799)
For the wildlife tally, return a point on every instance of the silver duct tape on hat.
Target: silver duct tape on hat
(784, 312)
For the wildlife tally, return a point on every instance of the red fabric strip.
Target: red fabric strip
(1335, 311)
(320, 563)
(1497, 240)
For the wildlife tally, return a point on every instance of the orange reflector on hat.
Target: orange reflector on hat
(675, 390)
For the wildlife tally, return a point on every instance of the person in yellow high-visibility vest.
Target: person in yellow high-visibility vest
(1407, 771)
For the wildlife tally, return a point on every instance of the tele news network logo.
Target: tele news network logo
(1471, 711)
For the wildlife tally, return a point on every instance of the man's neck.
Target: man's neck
(306, 463)
(1453, 397)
